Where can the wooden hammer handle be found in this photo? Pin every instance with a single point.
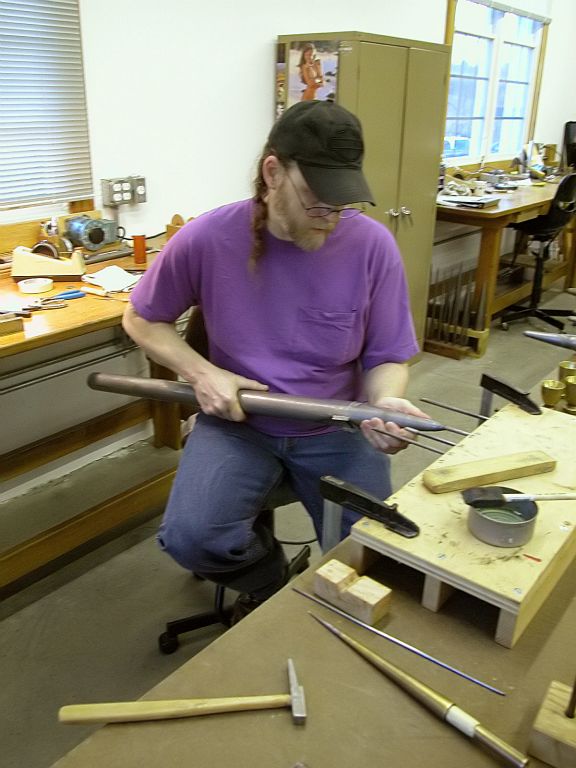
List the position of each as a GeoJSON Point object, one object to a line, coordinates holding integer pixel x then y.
{"type": "Point", "coordinates": [130, 711]}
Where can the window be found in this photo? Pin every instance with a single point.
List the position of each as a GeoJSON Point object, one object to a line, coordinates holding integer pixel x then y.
{"type": "Point", "coordinates": [492, 78]}
{"type": "Point", "coordinates": [44, 149]}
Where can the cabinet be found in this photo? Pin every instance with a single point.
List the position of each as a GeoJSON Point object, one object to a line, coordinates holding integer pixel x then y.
{"type": "Point", "coordinates": [397, 88]}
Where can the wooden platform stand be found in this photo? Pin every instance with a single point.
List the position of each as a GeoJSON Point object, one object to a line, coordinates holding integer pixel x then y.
{"type": "Point", "coordinates": [553, 737]}
{"type": "Point", "coordinates": [518, 580]}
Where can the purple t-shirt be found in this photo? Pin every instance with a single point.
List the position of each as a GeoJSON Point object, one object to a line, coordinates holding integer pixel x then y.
{"type": "Point", "coordinates": [305, 323]}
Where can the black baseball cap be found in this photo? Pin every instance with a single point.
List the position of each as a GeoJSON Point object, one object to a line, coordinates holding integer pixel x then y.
{"type": "Point", "coordinates": [325, 140]}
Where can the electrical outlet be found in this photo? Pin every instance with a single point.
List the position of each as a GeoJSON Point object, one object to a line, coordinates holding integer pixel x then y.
{"type": "Point", "coordinates": [123, 190]}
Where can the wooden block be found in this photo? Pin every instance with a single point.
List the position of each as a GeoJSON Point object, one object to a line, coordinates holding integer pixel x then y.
{"type": "Point", "coordinates": [360, 596]}
{"type": "Point", "coordinates": [458, 477]}
{"type": "Point", "coordinates": [553, 737]}
{"type": "Point", "coordinates": [10, 324]}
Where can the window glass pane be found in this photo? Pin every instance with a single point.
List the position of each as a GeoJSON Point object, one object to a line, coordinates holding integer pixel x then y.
{"type": "Point", "coordinates": [481, 19]}
{"type": "Point", "coordinates": [463, 137]}
{"type": "Point", "coordinates": [471, 55]}
{"type": "Point", "coordinates": [467, 97]}
{"type": "Point", "coordinates": [508, 136]}
{"type": "Point", "coordinates": [512, 100]}
{"type": "Point", "coordinates": [516, 62]}
{"type": "Point", "coordinates": [521, 29]}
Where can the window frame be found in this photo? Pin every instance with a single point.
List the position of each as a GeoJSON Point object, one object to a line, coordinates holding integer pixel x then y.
{"type": "Point", "coordinates": [45, 155]}
{"type": "Point", "coordinates": [500, 40]}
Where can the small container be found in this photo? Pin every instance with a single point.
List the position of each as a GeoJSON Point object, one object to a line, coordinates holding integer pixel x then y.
{"type": "Point", "coordinates": [139, 242]}
{"type": "Point", "coordinates": [511, 525]}
{"type": "Point", "coordinates": [566, 368]}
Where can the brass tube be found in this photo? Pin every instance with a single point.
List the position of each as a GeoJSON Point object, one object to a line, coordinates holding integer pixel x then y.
{"type": "Point", "coordinates": [441, 706]}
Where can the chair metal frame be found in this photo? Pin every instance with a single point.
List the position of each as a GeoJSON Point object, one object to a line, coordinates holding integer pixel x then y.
{"type": "Point", "coordinates": [544, 229]}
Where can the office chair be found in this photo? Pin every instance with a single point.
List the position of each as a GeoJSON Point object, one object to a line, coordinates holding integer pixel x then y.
{"type": "Point", "coordinates": [281, 495]}
{"type": "Point", "coordinates": [544, 230]}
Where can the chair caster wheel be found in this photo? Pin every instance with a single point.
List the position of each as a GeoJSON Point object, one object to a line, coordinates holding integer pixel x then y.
{"type": "Point", "coordinates": [504, 326]}
{"type": "Point", "coordinates": [167, 643]}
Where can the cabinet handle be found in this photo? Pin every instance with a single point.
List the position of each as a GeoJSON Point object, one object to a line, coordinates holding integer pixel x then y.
{"type": "Point", "coordinates": [405, 211]}
{"type": "Point", "coordinates": [393, 212]}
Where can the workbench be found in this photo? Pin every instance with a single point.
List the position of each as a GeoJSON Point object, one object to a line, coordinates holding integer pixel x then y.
{"type": "Point", "coordinates": [48, 328]}
{"type": "Point", "coordinates": [522, 204]}
{"type": "Point", "coordinates": [356, 717]}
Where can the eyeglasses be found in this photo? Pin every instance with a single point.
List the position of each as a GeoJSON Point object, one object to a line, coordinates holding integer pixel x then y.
{"type": "Point", "coordinates": [319, 211]}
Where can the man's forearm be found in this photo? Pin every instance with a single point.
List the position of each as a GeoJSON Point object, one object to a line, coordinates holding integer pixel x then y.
{"type": "Point", "coordinates": [164, 345]}
{"type": "Point", "coordinates": [386, 380]}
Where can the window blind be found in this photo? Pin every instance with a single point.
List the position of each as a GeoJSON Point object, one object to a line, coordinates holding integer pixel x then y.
{"type": "Point", "coordinates": [44, 143]}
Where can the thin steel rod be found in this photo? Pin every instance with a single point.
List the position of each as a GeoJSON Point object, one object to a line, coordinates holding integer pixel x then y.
{"type": "Point", "coordinates": [456, 431]}
{"type": "Point", "coordinates": [431, 437]}
{"type": "Point", "coordinates": [453, 408]}
{"type": "Point", "coordinates": [401, 643]}
{"type": "Point", "coordinates": [407, 440]}
{"type": "Point", "coordinates": [571, 708]}
{"type": "Point", "coordinates": [441, 706]}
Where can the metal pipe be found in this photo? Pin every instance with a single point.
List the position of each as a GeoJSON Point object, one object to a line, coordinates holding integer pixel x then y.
{"type": "Point", "coordinates": [440, 705]}
{"type": "Point", "coordinates": [557, 339]}
{"type": "Point", "coordinates": [261, 403]}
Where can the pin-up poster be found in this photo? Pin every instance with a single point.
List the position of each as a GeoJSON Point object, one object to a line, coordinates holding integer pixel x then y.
{"type": "Point", "coordinates": [306, 70]}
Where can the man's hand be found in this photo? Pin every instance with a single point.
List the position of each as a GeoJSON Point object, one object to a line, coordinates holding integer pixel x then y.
{"type": "Point", "coordinates": [217, 392]}
{"type": "Point", "coordinates": [395, 443]}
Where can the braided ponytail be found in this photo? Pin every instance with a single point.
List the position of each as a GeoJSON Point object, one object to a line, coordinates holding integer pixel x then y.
{"type": "Point", "coordinates": [260, 212]}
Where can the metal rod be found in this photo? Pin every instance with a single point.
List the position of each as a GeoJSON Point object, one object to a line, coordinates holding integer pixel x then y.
{"type": "Point", "coordinates": [401, 643]}
{"type": "Point", "coordinates": [407, 440]}
{"type": "Point", "coordinates": [571, 708]}
{"type": "Point", "coordinates": [456, 431]}
{"type": "Point", "coordinates": [453, 408]}
{"type": "Point", "coordinates": [262, 403]}
{"type": "Point", "coordinates": [430, 437]}
{"type": "Point", "coordinates": [440, 705]}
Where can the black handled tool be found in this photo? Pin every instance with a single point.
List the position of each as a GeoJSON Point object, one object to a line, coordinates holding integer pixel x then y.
{"type": "Point", "coordinates": [262, 403]}
{"type": "Point", "coordinates": [493, 386]}
{"type": "Point", "coordinates": [352, 497]}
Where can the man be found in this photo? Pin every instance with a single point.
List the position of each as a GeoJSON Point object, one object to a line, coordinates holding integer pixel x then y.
{"type": "Point", "coordinates": [300, 296]}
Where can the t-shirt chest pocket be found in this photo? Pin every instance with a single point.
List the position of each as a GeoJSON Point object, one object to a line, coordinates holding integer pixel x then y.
{"type": "Point", "coordinates": [325, 337]}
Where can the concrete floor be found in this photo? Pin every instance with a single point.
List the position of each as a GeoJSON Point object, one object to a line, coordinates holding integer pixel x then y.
{"type": "Point", "coordinates": [88, 632]}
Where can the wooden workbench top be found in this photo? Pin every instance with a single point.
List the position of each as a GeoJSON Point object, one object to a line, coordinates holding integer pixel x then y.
{"type": "Point", "coordinates": [81, 316]}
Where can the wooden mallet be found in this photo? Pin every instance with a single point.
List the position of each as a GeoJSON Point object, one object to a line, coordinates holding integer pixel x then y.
{"type": "Point", "coordinates": [131, 711]}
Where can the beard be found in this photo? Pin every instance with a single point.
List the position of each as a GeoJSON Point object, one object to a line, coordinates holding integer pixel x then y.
{"type": "Point", "coordinates": [306, 232]}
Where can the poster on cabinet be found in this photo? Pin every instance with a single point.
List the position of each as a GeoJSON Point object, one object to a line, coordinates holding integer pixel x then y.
{"type": "Point", "coordinates": [306, 70]}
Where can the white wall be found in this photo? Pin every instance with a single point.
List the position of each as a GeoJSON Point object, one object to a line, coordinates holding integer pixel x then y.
{"type": "Point", "coordinates": [182, 91]}
{"type": "Point", "coordinates": [558, 94]}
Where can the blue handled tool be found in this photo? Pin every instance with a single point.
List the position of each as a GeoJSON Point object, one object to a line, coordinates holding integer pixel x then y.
{"type": "Point", "coordinates": [73, 293]}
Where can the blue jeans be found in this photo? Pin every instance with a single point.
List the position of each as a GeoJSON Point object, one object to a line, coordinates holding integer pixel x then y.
{"type": "Point", "coordinates": [226, 472]}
